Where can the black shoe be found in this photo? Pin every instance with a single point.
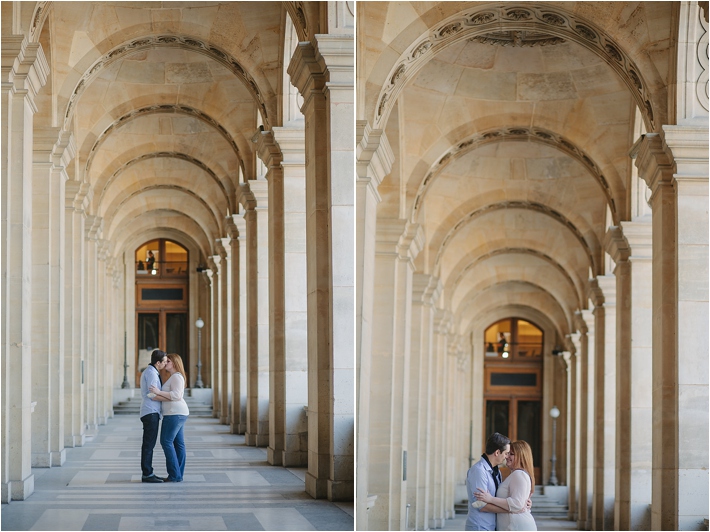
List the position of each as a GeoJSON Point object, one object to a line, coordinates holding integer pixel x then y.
{"type": "Point", "coordinates": [152, 479]}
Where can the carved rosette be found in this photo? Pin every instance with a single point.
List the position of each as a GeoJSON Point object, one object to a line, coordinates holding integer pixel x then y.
{"type": "Point", "coordinates": [488, 24]}
{"type": "Point", "coordinates": [179, 41]}
{"type": "Point", "coordinates": [516, 133]}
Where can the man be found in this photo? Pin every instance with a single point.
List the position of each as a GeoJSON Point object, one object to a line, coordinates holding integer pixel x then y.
{"type": "Point", "coordinates": [150, 413]}
{"type": "Point", "coordinates": [484, 474]}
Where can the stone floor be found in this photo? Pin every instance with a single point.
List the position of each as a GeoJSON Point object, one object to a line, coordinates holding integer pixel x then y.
{"type": "Point", "coordinates": [227, 486]}
{"type": "Point", "coordinates": [543, 524]}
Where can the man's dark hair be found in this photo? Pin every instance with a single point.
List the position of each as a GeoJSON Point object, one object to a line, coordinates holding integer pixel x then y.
{"type": "Point", "coordinates": [496, 442]}
{"type": "Point", "coordinates": [157, 356]}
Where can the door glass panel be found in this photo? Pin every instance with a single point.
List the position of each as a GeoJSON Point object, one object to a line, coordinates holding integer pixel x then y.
{"type": "Point", "coordinates": [497, 417]}
{"type": "Point", "coordinates": [148, 329]}
{"type": "Point", "coordinates": [529, 424]}
{"type": "Point", "coordinates": [176, 337]}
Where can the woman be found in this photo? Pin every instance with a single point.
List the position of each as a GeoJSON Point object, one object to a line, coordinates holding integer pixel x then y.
{"type": "Point", "coordinates": [513, 493]}
{"type": "Point", "coordinates": [175, 414]}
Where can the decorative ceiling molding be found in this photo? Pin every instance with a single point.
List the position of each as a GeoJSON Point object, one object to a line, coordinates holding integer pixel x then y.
{"type": "Point", "coordinates": [534, 134]}
{"type": "Point", "coordinates": [521, 251]}
{"type": "Point", "coordinates": [483, 20]}
{"type": "Point", "coordinates": [518, 39]}
{"type": "Point", "coordinates": [39, 16]}
{"type": "Point", "coordinates": [297, 11]}
{"type": "Point", "coordinates": [167, 41]}
{"type": "Point", "coordinates": [524, 205]}
{"type": "Point", "coordinates": [164, 108]}
{"type": "Point", "coordinates": [166, 154]}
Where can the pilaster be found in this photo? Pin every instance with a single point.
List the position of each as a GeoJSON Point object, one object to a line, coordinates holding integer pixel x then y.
{"type": "Point", "coordinates": [24, 72]}
{"type": "Point", "coordinates": [215, 263]}
{"type": "Point", "coordinates": [573, 428]}
{"type": "Point", "coordinates": [92, 235]}
{"type": "Point", "coordinates": [239, 385]}
{"type": "Point", "coordinates": [291, 141]}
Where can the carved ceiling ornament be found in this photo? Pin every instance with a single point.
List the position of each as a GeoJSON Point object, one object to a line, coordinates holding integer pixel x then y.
{"type": "Point", "coordinates": [297, 11]}
{"type": "Point", "coordinates": [38, 18]}
{"type": "Point", "coordinates": [175, 41]}
{"type": "Point", "coordinates": [534, 134]}
{"type": "Point", "coordinates": [506, 19]}
{"type": "Point", "coordinates": [161, 108]}
{"type": "Point", "coordinates": [518, 39]}
{"type": "Point", "coordinates": [519, 251]}
{"type": "Point", "coordinates": [524, 205]}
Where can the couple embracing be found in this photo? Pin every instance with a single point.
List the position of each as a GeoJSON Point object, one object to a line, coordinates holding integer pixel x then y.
{"type": "Point", "coordinates": [496, 504]}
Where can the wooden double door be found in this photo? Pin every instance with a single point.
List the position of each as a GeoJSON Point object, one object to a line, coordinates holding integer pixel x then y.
{"type": "Point", "coordinates": [161, 329]}
{"type": "Point", "coordinates": [519, 418]}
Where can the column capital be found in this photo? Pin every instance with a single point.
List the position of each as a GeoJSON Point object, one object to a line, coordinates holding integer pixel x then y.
{"type": "Point", "coordinates": [653, 160]}
{"type": "Point", "coordinates": [305, 71]}
{"type": "Point", "coordinates": [425, 288]}
{"type": "Point", "coordinates": [588, 318]}
{"type": "Point", "coordinates": [219, 247]}
{"type": "Point", "coordinates": [638, 234]}
{"type": "Point", "coordinates": [75, 195]}
{"type": "Point", "coordinates": [292, 141]}
{"type": "Point", "coordinates": [607, 285]}
{"type": "Point", "coordinates": [240, 225]}
{"type": "Point", "coordinates": [24, 65]}
{"type": "Point", "coordinates": [245, 197]}
{"type": "Point", "coordinates": [595, 293]}
{"type": "Point", "coordinates": [260, 193]}
{"type": "Point", "coordinates": [616, 245]}
{"type": "Point", "coordinates": [103, 248]}
{"type": "Point", "coordinates": [395, 235]}
{"type": "Point", "coordinates": [689, 148]}
{"type": "Point", "coordinates": [374, 154]}
{"type": "Point", "coordinates": [93, 227]}
{"type": "Point", "coordinates": [268, 150]}
{"type": "Point", "coordinates": [580, 323]}
{"type": "Point", "coordinates": [443, 320]}
{"type": "Point", "coordinates": [336, 53]}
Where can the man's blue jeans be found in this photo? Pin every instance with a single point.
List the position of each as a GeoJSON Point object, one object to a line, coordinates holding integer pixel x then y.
{"type": "Point", "coordinates": [151, 422]}
{"type": "Point", "coordinates": [172, 440]}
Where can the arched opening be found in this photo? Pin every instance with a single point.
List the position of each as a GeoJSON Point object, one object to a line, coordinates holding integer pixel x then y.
{"type": "Point", "coordinates": [162, 288]}
{"type": "Point", "coordinates": [513, 383]}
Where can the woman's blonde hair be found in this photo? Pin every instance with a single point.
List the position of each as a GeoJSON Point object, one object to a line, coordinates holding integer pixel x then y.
{"type": "Point", "coordinates": [523, 459]}
{"type": "Point", "coordinates": [177, 362]}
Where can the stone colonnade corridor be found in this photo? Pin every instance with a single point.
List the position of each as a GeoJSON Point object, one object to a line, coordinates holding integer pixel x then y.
{"type": "Point", "coordinates": [227, 486]}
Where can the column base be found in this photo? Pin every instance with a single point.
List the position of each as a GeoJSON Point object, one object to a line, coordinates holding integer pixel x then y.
{"type": "Point", "coordinates": [41, 460]}
{"type": "Point", "coordinates": [59, 457]}
{"type": "Point", "coordinates": [256, 440]}
{"type": "Point", "coordinates": [316, 487]}
{"type": "Point", "coordinates": [224, 420]}
{"type": "Point", "coordinates": [74, 441]}
{"type": "Point", "coordinates": [341, 490]}
{"type": "Point", "coordinates": [294, 458]}
{"type": "Point", "coordinates": [274, 457]}
{"type": "Point", "coordinates": [18, 490]}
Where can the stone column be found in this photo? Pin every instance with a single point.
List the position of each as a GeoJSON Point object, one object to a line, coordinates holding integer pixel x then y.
{"type": "Point", "coordinates": [74, 314]}
{"type": "Point", "coordinates": [50, 160]}
{"type": "Point", "coordinates": [442, 325]}
{"type": "Point", "coordinates": [656, 168]}
{"type": "Point", "coordinates": [689, 148]}
{"type": "Point", "coordinates": [239, 298]}
{"type": "Point", "coordinates": [374, 162]}
{"type": "Point", "coordinates": [223, 304]}
{"type": "Point", "coordinates": [573, 428]}
{"type": "Point", "coordinates": [291, 141]}
{"type": "Point", "coordinates": [584, 321]}
{"type": "Point", "coordinates": [228, 292]}
{"type": "Point", "coordinates": [634, 374]}
{"type": "Point", "coordinates": [254, 197]}
{"type": "Point", "coordinates": [603, 295]}
{"type": "Point", "coordinates": [92, 229]}
{"type": "Point", "coordinates": [420, 399]}
{"type": "Point", "coordinates": [674, 166]}
{"type": "Point", "coordinates": [324, 76]}
{"type": "Point", "coordinates": [397, 246]}
{"type": "Point", "coordinates": [270, 154]}
{"type": "Point", "coordinates": [102, 332]}
{"type": "Point", "coordinates": [24, 72]}
{"type": "Point", "coordinates": [215, 324]}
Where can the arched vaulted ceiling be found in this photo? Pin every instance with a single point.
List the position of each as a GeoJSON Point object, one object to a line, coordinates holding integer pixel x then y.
{"type": "Point", "coordinates": [162, 100]}
{"type": "Point", "coordinates": [511, 125]}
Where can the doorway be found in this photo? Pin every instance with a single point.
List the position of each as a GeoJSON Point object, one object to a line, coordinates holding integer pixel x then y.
{"type": "Point", "coordinates": [513, 384]}
{"type": "Point", "coordinates": [163, 328]}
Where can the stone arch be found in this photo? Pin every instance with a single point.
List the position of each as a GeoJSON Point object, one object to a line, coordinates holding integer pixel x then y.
{"type": "Point", "coordinates": [591, 249]}
{"type": "Point", "coordinates": [174, 155]}
{"type": "Point", "coordinates": [530, 134]}
{"type": "Point", "coordinates": [74, 86]}
{"type": "Point", "coordinates": [458, 277]}
{"type": "Point", "coordinates": [162, 108]}
{"type": "Point", "coordinates": [481, 20]}
{"type": "Point", "coordinates": [146, 228]}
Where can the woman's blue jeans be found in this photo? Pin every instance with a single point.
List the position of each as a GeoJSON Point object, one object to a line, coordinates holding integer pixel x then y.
{"type": "Point", "coordinates": [172, 440]}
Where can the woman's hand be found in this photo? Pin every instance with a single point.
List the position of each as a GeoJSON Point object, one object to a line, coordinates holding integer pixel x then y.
{"type": "Point", "coordinates": [483, 496]}
{"type": "Point", "coordinates": [154, 389]}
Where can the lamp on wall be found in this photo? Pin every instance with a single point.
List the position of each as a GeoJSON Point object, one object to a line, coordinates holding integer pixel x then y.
{"type": "Point", "coordinates": [199, 324]}
{"type": "Point", "coordinates": [554, 414]}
